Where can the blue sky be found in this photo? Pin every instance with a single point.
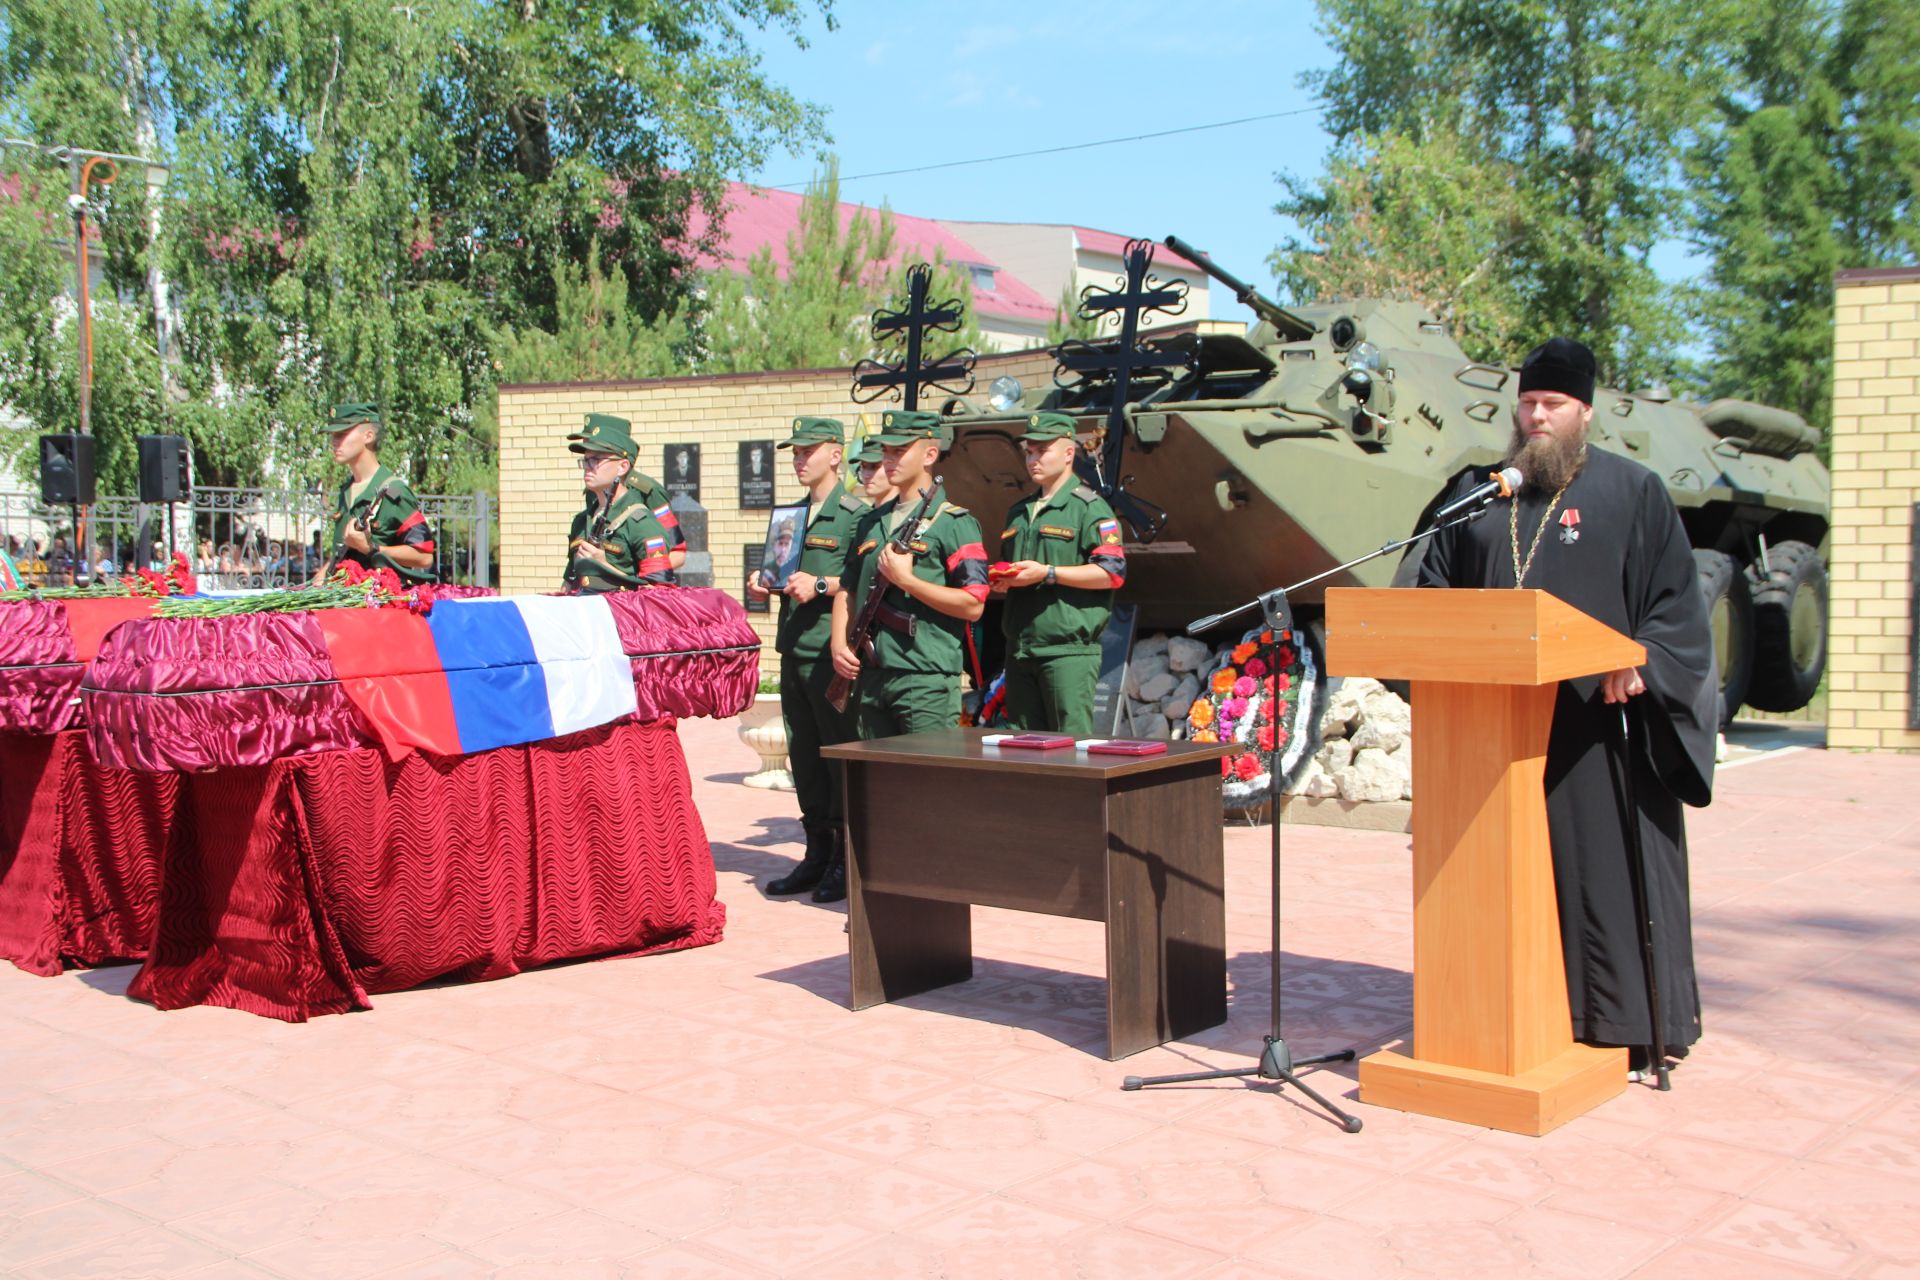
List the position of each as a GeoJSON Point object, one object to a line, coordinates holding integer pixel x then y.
{"type": "Point", "coordinates": [906, 84]}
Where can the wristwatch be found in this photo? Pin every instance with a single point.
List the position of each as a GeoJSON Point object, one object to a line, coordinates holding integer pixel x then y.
{"type": "Point", "coordinates": [1052, 573]}
{"type": "Point", "coordinates": [820, 586]}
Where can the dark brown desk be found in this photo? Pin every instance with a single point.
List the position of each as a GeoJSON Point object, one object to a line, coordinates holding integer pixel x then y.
{"type": "Point", "coordinates": [936, 822]}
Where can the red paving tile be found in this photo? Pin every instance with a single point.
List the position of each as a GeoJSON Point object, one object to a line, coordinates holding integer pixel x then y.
{"type": "Point", "coordinates": [720, 1112]}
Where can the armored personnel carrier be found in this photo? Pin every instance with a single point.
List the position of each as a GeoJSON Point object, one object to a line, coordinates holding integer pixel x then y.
{"type": "Point", "coordinates": [1242, 462]}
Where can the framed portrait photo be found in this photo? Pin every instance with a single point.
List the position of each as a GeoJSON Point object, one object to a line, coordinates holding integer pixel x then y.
{"type": "Point", "coordinates": [786, 539]}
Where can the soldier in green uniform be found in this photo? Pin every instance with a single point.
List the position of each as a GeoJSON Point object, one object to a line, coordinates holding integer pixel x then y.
{"type": "Point", "coordinates": [377, 521]}
{"type": "Point", "coordinates": [1066, 562]}
{"type": "Point", "coordinates": [618, 542]}
{"type": "Point", "coordinates": [933, 592]}
{"type": "Point", "coordinates": [806, 668]}
{"type": "Point", "coordinates": [873, 478]}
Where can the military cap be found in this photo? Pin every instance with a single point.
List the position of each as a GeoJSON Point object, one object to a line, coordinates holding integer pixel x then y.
{"type": "Point", "coordinates": [604, 433]}
{"type": "Point", "coordinates": [352, 413]}
{"type": "Point", "coordinates": [869, 451]}
{"type": "Point", "coordinates": [816, 431]}
{"type": "Point", "coordinates": [908, 426]}
{"type": "Point", "coordinates": [1048, 426]}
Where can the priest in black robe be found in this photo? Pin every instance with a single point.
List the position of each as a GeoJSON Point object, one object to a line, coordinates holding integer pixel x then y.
{"type": "Point", "coordinates": [1600, 532]}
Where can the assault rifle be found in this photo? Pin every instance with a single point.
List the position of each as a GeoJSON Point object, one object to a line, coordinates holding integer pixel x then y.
{"type": "Point", "coordinates": [860, 630]}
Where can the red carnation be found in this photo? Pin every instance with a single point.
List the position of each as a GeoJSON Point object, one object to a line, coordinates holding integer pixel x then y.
{"type": "Point", "coordinates": [1285, 656]}
{"type": "Point", "coordinates": [1285, 682]}
{"type": "Point", "coordinates": [1226, 767]}
{"type": "Point", "coordinates": [387, 580]}
{"type": "Point", "coordinates": [1247, 767]}
{"type": "Point", "coordinates": [1266, 737]}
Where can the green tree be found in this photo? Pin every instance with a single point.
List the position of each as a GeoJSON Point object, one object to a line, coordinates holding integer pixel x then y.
{"type": "Point", "coordinates": [1588, 105]}
{"type": "Point", "coordinates": [364, 192]}
{"type": "Point", "coordinates": [1814, 168]}
{"type": "Point", "coordinates": [810, 310]}
{"type": "Point", "coordinates": [1067, 321]}
{"type": "Point", "coordinates": [1423, 220]}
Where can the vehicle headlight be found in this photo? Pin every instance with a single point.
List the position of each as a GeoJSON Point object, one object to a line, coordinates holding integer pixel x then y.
{"type": "Point", "coordinates": [1004, 393]}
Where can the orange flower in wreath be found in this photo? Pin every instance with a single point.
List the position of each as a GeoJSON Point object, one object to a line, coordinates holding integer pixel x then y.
{"type": "Point", "coordinates": [1206, 735]}
{"type": "Point", "coordinates": [1244, 651]}
{"type": "Point", "coordinates": [1200, 714]}
{"type": "Point", "coordinates": [1223, 680]}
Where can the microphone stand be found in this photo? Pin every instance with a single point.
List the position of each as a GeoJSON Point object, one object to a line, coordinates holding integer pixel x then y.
{"type": "Point", "coordinates": [1276, 1058]}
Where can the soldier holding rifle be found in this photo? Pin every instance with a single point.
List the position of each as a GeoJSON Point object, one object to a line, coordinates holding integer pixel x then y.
{"type": "Point", "coordinates": [932, 586]}
{"type": "Point", "coordinates": [806, 669]}
{"type": "Point", "coordinates": [377, 521]}
{"type": "Point", "coordinates": [618, 542]}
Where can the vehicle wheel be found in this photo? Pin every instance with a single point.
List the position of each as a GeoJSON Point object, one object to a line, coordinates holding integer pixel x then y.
{"type": "Point", "coordinates": [1789, 627]}
{"type": "Point", "coordinates": [1723, 588]}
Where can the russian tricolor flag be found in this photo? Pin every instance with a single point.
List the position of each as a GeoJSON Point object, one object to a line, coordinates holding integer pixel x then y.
{"type": "Point", "coordinates": [476, 674]}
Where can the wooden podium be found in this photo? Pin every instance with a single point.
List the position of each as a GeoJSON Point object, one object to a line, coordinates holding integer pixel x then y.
{"type": "Point", "coordinates": [1492, 1035]}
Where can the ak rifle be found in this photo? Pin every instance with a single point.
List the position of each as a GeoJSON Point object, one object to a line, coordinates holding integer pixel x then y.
{"type": "Point", "coordinates": [860, 631]}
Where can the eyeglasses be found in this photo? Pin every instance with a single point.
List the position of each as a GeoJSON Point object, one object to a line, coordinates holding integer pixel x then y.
{"type": "Point", "coordinates": [592, 460]}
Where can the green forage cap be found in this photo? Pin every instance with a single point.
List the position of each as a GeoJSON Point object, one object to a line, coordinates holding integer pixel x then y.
{"type": "Point", "coordinates": [1048, 426]}
{"type": "Point", "coordinates": [352, 413]}
{"type": "Point", "coordinates": [869, 451]}
{"type": "Point", "coordinates": [905, 426]}
{"type": "Point", "coordinates": [816, 431]}
{"type": "Point", "coordinates": [604, 433]}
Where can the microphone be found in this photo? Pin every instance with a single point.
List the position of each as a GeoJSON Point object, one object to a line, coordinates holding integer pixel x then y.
{"type": "Point", "coordinates": [1503, 484]}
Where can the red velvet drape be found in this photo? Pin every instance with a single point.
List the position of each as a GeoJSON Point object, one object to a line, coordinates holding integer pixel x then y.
{"type": "Point", "coordinates": [304, 886]}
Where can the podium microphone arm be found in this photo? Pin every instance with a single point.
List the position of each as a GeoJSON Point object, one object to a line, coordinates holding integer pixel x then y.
{"type": "Point", "coordinates": [1259, 602]}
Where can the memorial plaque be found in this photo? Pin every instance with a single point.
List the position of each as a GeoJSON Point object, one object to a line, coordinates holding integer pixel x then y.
{"type": "Point", "coordinates": [756, 474]}
{"type": "Point", "coordinates": [680, 470]}
{"type": "Point", "coordinates": [750, 559]}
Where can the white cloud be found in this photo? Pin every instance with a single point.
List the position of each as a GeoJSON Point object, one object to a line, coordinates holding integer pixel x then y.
{"type": "Point", "coordinates": [979, 40]}
{"type": "Point", "coordinates": [876, 53]}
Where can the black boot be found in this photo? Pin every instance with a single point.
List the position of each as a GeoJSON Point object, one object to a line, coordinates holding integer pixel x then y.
{"type": "Point", "coordinates": [813, 865]}
{"type": "Point", "coordinates": [833, 885]}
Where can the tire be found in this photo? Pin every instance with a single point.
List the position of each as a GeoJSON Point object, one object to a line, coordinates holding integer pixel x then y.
{"type": "Point", "coordinates": [1789, 627]}
{"type": "Point", "coordinates": [1729, 602]}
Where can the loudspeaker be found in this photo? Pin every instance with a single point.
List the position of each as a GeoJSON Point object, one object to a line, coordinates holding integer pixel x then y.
{"type": "Point", "coordinates": [66, 469]}
{"type": "Point", "coordinates": [163, 469]}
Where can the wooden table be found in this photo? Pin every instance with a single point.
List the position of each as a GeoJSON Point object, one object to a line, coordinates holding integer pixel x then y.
{"type": "Point", "coordinates": [937, 822]}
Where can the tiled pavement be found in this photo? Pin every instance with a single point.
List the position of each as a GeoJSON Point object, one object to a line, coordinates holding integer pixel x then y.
{"type": "Point", "coordinates": [719, 1112]}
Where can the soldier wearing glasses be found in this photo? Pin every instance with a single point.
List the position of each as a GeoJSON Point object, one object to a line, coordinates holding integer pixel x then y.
{"type": "Point", "coordinates": [622, 539]}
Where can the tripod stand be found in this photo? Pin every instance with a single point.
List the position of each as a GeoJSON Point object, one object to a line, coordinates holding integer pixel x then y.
{"type": "Point", "coordinates": [1276, 1058]}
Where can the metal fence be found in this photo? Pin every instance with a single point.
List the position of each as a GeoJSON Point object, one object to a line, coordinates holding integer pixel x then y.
{"type": "Point", "coordinates": [233, 538]}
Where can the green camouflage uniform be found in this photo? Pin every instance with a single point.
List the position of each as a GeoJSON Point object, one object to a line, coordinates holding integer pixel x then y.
{"type": "Point", "coordinates": [911, 683]}
{"type": "Point", "coordinates": [634, 541]}
{"type": "Point", "coordinates": [1053, 630]}
{"type": "Point", "coordinates": [804, 641]}
{"type": "Point", "coordinates": [385, 507]}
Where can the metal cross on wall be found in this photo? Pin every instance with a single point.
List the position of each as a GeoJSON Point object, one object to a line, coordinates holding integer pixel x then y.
{"type": "Point", "coordinates": [952, 373]}
{"type": "Point", "coordinates": [1126, 367]}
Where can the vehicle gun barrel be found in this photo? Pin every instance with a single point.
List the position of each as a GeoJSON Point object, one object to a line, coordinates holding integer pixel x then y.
{"type": "Point", "coordinates": [1288, 325]}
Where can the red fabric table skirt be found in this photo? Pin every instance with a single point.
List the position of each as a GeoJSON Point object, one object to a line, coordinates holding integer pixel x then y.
{"type": "Point", "coordinates": [303, 886]}
{"type": "Point", "coordinates": [80, 853]}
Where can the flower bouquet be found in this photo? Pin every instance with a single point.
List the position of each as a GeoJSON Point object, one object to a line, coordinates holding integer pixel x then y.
{"type": "Point", "coordinates": [1255, 707]}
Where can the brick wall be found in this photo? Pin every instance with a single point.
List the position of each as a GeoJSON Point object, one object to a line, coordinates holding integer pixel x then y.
{"type": "Point", "coordinates": [540, 480]}
{"type": "Point", "coordinates": [1876, 482]}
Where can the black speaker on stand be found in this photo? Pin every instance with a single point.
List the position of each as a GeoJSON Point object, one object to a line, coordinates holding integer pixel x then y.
{"type": "Point", "coordinates": [163, 475]}
{"type": "Point", "coordinates": [66, 476]}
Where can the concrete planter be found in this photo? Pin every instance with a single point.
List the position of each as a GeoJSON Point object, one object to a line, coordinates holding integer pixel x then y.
{"type": "Point", "coordinates": [765, 732]}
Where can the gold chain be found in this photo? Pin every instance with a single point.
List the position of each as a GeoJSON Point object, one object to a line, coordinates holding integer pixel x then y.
{"type": "Point", "coordinates": [1513, 529]}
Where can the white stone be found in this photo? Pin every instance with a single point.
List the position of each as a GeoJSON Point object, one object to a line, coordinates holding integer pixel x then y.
{"type": "Point", "coordinates": [1187, 690]}
{"type": "Point", "coordinates": [1186, 654]}
{"type": "Point", "coordinates": [1157, 688]}
{"type": "Point", "coordinates": [1152, 725]}
{"type": "Point", "coordinates": [1334, 755]}
{"type": "Point", "coordinates": [1345, 706]}
{"type": "Point", "coordinates": [1371, 777]}
{"type": "Point", "coordinates": [1147, 646]}
{"type": "Point", "coordinates": [1176, 708]}
{"type": "Point", "coordinates": [1321, 786]}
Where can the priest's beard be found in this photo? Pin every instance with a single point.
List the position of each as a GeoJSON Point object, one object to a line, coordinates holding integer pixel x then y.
{"type": "Point", "coordinates": [1548, 462]}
